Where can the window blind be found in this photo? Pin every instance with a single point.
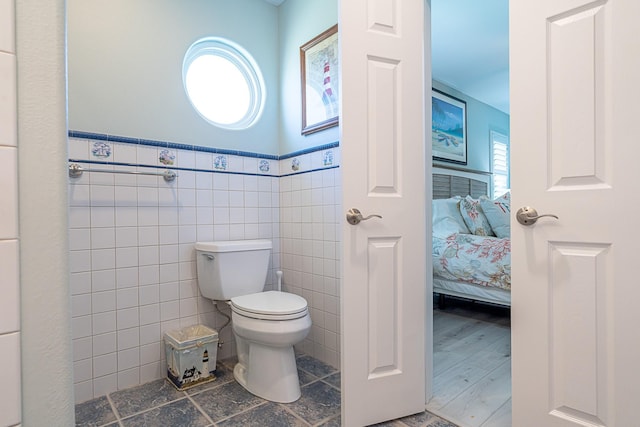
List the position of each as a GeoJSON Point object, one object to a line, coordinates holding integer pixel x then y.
{"type": "Point", "coordinates": [500, 163]}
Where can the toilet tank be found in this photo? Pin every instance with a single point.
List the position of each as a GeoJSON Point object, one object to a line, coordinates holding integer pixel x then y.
{"type": "Point", "coordinates": [227, 269]}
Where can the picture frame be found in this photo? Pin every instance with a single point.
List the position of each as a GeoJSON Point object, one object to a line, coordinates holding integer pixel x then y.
{"type": "Point", "coordinates": [320, 85]}
{"type": "Point", "coordinates": [448, 128]}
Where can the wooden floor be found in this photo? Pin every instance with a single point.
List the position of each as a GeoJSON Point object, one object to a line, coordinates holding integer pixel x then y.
{"type": "Point", "coordinates": [472, 364]}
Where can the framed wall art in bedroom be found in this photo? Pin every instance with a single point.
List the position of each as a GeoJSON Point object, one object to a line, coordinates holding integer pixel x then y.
{"type": "Point", "coordinates": [448, 128]}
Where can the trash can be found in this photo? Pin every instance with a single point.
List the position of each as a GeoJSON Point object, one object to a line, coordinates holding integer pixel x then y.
{"type": "Point", "coordinates": [191, 355]}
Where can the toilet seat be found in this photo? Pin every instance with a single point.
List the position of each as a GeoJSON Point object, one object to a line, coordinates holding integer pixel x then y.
{"type": "Point", "coordinates": [270, 305]}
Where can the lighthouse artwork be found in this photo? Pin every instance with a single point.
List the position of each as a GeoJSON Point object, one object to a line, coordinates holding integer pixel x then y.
{"type": "Point", "coordinates": [320, 74]}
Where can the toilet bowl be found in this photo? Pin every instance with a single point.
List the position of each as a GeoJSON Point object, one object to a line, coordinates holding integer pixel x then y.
{"type": "Point", "coordinates": [266, 325]}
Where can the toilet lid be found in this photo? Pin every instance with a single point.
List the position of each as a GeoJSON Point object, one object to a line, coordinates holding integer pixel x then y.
{"type": "Point", "coordinates": [280, 305]}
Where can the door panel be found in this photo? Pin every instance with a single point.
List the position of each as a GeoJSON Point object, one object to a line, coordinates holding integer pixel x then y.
{"type": "Point", "coordinates": [574, 67]}
{"type": "Point", "coordinates": [384, 299]}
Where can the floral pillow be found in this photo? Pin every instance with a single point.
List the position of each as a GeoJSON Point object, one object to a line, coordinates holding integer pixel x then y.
{"type": "Point", "coordinates": [474, 217]}
{"type": "Point", "coordinates": [498, 213]}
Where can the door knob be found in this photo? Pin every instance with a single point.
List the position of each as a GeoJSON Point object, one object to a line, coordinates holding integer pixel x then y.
{"type": "Point", "coordinates": [354, 216]}
{"type": "Point", "coordinates": [528, 215]}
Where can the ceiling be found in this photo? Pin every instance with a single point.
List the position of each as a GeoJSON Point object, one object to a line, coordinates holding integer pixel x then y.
{"type": "Point", "coordinates": [470, 48]}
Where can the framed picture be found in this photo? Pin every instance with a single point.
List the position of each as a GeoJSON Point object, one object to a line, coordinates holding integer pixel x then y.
{"type": "Point", "coordinates": [319, 74]}
{"type": "Point", "coordinates": [448, 128]}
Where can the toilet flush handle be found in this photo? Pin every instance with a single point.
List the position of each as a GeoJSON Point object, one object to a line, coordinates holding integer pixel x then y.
{"type": "Point", "coordinates": [209, 257]}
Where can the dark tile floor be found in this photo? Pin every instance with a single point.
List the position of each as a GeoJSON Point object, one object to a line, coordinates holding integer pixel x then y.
{"type": "Point", "coordinates": [224, 403]}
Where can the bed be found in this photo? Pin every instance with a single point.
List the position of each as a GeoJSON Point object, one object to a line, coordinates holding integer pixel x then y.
{"type": "Point", "coordinates": [471, 244]}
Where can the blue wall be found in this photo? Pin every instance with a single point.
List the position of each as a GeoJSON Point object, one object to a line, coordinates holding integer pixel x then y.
{"type": "Point", "coordinates": [125, 72]}
{"type": "Point", "coordinates": [125, 68]}
{"type": "Point", "coordinates": [481, 119]}
{"type": "Point", "coordinates": [300, 21]}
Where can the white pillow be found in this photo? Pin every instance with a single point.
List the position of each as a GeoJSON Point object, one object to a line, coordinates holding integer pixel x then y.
{"type": "Point", "coordinates": [446, 217]}
{"type": "Point", "coordinates": [498, 214]}
{"type": "Point", "coordinates": [474, 217]}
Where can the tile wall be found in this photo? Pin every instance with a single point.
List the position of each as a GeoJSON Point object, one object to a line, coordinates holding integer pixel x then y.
{"type": "Point", "coordinates": [133, 273]}
{"type": "Point", "coordinates": [10, 400]}
{"type": "Point", "coordinates": [310, 241]}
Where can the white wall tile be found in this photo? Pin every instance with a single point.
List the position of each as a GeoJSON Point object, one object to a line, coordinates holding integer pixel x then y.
{"type": "Point", "coordinates": [148, 274]}
{"type": "Point", "coordinates": [126, 257]}
{"type": "Point", "coordinates": [124, 153]}
{"type": "Point", "coordinates": [10, 402]}
{"type": "Point", "coordinates": [81, 327]}
{"type": "Point", "coordinates": [103, 238]}
{"type": "Point", "coordinates": [204, 161]}
{"type": "Point", "coordinates": [126, 237]}
{"type": "Point", "coordinates": [150, 333]}
{"type": "Point", "coordinates": [128, 338]}
{"type": "Point", "coordinates": [169, 273]}
{"type": "Point", "coordinates": [169, 310]}
{"type": "Point", "coordinates": [168, 254]}
{"type": "Point", "coordinates": [169, 235]}
{"type": "Point", "coordinates": [151, 352]}
{"type": "Point", "coordinates": [80, 305]}
{"type": "Point", "coordinates": [129, 358]}
{"type": "Point", "coordinates": [125, 216]}
{"type": "Point", "coordinates": [104, 385]}
{"type": "Point", "coordinates": [149, 294]}
{"type": "Point", "coordinates": [103, 259]}
{"type": "Point", "coordinates": [103, 280]}
{"type": "Point", "coordinates": [126, 196]}
{"type": "Point", "coordinates": [102, 216]}
{"type": "Point", "coordinates": [127, 276]}
{"type": "Point", "coordinates": [79, 261]}
{"type": "Point", "coordinates": [79, 239]}
{"type": "Point", "coordinates": [103, 301]}
{"type": "Point", "coordinates": [150, 227]}
{"type": "Point", "coordinates": [148, 255]}
{"type": "Point", "coordinates": [83, 391]}
{"type": "Point", "coordinates": [105, 364]}
{"type": "Point", "coordinates": [148, 236]}
{"type": "Point", "coordinates": [80, 283]}
{"type": "Point", "coordinates": [9, 283]}
{"type": "Point", "coordinates": [128, 318]}
{"type": "Point", "coordinates": [104, 322]}
{"type": "Point", "coordinates": [147, 155]}
{"type": "Point", "coordinates": [9, 200]}
{"type": "Point", "coordinates": [8, 118]}
{"type": "Point", "coordinates": [186, 179]}
{"type": "Point", "coordinates": [82, 370]}
{"type": "Point", "coordinates": [147, 196]}
{"type": "Point", "coordinates": [103, 179]}
{"type": "Point", "coordinates": [127, 298]}
{"type": "Point", "coordinates": [128, 378]}
{"type": "Point", "coordinates": [79, 217]}
{"type": "Point", "coordinates": [124, 179]}
{"type": "Point", "coordinates": [149, 314]}
{"type": "Point", "coordinates": [147, 215]}
{"type": "Point", "coordinates": [104, 344]}
{"type": "Point", "coordinates": [7, 32]}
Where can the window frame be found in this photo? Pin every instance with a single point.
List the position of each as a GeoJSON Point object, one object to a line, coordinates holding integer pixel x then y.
{"type": "Point", "coordinates": [244, 63]}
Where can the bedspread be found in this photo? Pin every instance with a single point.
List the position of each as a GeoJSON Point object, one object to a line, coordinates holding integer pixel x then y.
{"type": "Point", "coordinates": [480, 260]}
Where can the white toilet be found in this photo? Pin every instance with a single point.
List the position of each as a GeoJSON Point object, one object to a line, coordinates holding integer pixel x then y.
{"type": "Point", "coordinates": [266, 324]}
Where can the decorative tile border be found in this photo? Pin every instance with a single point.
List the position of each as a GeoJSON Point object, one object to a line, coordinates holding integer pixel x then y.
{"type": "Point", "coordinates": [88, 147]}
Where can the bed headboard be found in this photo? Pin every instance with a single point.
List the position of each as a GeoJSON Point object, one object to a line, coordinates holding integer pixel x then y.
{"type": "Point", "coordinates": [449, 182]}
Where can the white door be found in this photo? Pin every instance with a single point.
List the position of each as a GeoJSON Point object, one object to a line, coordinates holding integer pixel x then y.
{"type": "Point", "coordinates": [385, 79]}
{"type": "Point", "coordinates": [575, 66]}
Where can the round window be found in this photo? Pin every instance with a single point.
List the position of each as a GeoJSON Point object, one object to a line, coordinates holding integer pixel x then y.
{"type": "Point", "coordinates": [223, 83]}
